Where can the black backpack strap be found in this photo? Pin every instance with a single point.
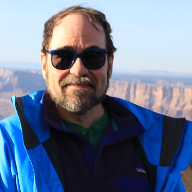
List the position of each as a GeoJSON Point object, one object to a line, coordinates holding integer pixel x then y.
{"type": "Point", "coordinates": [151, 169]}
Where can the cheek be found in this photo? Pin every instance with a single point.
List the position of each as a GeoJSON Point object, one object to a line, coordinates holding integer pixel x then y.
{"type": "Point", "coordinates": [101, 77]}
{"type": "Point", "coordinates": [103, 73]}
{"type": "Point", "coordinates": [58, 75]}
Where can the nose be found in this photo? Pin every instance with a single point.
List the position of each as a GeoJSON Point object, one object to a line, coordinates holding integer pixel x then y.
{"type": "Point", "coordinates": [78, 68]}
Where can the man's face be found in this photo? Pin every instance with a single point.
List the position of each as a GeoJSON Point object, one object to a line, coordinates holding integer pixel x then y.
{"type": "Point", "coordinates": [77, 89]}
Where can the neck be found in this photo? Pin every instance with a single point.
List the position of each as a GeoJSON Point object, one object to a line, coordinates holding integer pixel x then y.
{"type": "Point", "coordinates": [85, 120]}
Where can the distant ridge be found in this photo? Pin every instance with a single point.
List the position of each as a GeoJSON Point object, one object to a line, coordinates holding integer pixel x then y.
{"type": "Point", "coordinates": [116, 71]}
{"type": "Point", "coordinates": [166, 73]}
{"type": "Point", "coordinates": [154, 73]}
{"type": "Point", "coordinates": [21, 65]}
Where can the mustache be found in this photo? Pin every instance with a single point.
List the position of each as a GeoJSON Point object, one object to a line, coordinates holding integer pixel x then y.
{"type": "Point", "coordinates": [77, 80]}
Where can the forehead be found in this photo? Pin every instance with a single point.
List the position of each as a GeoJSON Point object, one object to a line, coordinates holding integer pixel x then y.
{"type": "Point", "coordinates": [77, 31]}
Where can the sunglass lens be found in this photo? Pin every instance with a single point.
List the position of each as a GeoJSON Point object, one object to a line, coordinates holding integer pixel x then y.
{"type": "Point", "coordinates": [62, 59]}
{"type": "Point", "coordinates": [93, 59]}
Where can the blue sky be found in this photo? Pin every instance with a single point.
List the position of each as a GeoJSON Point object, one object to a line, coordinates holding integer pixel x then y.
{"type": "Point", "coordinates": [149, 34]}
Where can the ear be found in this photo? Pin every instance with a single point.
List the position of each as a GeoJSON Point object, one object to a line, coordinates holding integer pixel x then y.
{"type": "Point", "coordinates": [110, 65]}
{"type": "Point", "coordinates": [43, 64]}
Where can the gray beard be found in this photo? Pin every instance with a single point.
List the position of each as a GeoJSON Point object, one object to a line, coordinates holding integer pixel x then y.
{"type": "Point", "coordinates": [82, 101]}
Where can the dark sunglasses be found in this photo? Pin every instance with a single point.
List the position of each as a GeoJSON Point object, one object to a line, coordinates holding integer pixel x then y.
{"type": "Point", "coordinates": [92, 59]}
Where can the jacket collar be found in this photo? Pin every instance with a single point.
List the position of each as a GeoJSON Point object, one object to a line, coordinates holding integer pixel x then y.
{"type": "Point", "coordinates": [122, 116]}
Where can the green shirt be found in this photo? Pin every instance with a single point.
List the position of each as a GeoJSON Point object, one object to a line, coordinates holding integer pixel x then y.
{"type": "Point", "coordinates": [95, 131]}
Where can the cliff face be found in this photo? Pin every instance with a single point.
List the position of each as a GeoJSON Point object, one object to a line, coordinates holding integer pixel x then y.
{"type": "Point", "coordinates": [27, 81]}
{"type": "Point", "coordinates": [169, 100]}
{"type": "Point", "coordinates": [19, 83]}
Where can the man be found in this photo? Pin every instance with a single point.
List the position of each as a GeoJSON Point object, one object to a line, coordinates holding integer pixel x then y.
{"type": "Point", "coordinates": [73, 137]}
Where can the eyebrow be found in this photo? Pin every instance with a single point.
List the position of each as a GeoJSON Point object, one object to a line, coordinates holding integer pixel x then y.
{"type": "Point", "coordinates": [65, 47]}
{"type": "Point", "coordinates": [71, 48]}
{"type": "Point", "coordinates": [91, 46]}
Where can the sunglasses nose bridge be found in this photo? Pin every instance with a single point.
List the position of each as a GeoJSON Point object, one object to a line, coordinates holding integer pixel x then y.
{"type": "Point", "coordinates": [78, 55]}
{"type": "Point", "coordinates": [78, 68]}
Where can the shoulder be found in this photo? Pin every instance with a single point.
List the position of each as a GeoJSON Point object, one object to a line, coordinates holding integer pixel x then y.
{"type": "Point", "coordinates": [163, 135]}
{"type": "Point", "coordinates": [10, 125]}
{"type": "Point", "coordinates": [146, 117]}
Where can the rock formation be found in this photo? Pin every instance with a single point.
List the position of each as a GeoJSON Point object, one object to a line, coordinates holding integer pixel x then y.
{"type": "Point", "coordinates": [174, 101]}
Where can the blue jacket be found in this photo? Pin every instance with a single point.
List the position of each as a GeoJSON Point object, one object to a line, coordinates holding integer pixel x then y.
{"type": "Point", "coordinates": [166, 145]}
